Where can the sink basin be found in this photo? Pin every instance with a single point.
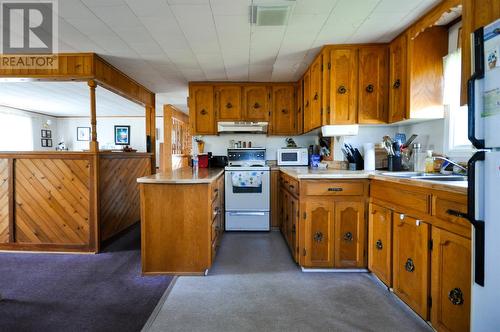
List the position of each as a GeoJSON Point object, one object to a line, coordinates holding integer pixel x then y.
{"type": "Point", "coordinates": [403, 174]}
{"type": "Point", "coordinates": [426, 176]}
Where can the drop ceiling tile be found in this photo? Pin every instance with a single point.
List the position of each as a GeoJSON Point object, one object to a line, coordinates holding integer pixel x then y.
{"type": "Point", "coordinates": [117, 16]}
{"type": "Point", "coordinates": [89, 26]}
{"type": "Point", "coordinates": [314, 6]}
{"type": "Point", "coordinates": [135, 35]}
{"type": "Point", "coordinates": [231, 7]}
{"type": "Point", "coordinates": [166, 32]}
{"type": "Point", "coordinates": [149, 8]}
{"type": "Point", "coordinates": [102, 3]}
{"type": "Point", "coordinates": [259, 73]}
{"type": "Point", "coordinates": [73, 9]}
{"type": "Point", "coordinates": [233, 31]}
{"type": "Point", "coordinates": [187, 2]}
{"type": "Point", "coordinates": [306, 23]}
{"type": "Point", "coordinates": [388, 6]}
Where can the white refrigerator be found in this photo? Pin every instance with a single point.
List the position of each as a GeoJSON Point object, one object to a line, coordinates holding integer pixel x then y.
{"type": "Point", "coordinates": [484, 177]}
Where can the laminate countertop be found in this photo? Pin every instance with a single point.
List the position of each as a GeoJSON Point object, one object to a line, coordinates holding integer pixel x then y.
{"type": "Point", "coordinates": [183, 175]}
{"type": "Point", "coordinates": [305, 173]}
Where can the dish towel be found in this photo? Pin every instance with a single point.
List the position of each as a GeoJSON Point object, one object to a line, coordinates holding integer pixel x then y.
{"type": "Point", "coordinates": [246, 179]}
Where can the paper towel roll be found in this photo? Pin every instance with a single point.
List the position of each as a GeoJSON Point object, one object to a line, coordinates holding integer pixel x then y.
{"type": "Point", "coordinates": [369, 156]}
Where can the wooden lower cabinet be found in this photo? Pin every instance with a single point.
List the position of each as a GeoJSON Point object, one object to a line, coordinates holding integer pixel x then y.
{"type": "Point", "coordinates": [380, 242]}
{"type": "Point", "coordinates": [318, 233]}
{"type": "Point", "coordinates": [350, 232]}
{"type": "Point", "coordinates": [289, 213]}
{"type": "Point", "coordinates": [411, 262]}
{"type": "Point", "coordinates": [451, 281]}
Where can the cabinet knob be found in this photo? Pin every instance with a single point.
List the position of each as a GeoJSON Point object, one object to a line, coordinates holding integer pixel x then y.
{"type": "Point", "coordinates": [402, 216]}
{"type": "Point", "coordinates": [379, 245]}
{"type": "Point", "coordinates": [370, 88]}
{"type": "Point", "coordinates": [417, 222]}
{"type": "Point", "coordinates": [341, 90]}
{"type": "Point", "coordinates": [284, 111]}
{"type": "Point", "coordinates": [409, 265]}
{"type": "Point", "coordinates": [256, 105]}
{"type": "Point", "coordinates": [397, 84]}
{"type": "Point", "coordinates": [456, 296]}
{"type": "Point", "coordinates": [203, 112]}
{"type": "Point", "coordinates": [229, 105]}
{"type": "Point", "coordinates": [307, 103]}
{"type": "Point", "coordinates": [318, 237]}
{"type": "Point", "coordinates": [348, 236]}
{"type": "Point", "coordinates": [316, 96]}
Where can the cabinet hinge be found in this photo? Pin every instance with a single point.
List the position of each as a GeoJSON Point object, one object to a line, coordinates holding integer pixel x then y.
{"type": "Point", "coordinates": [305, 215]}
{"type": "Point", "coordinates": [329, 66]}
{"type": "Point", "coordinates": [321, 67]}
{"type": "Point", "coordinates": [298, 214]}
{"type": "Point", "coordinates": [431, 244]}
{"type": "Point", "coordinates": [304, 252]}
{"type": "Point", "coordinates": [429, 301]}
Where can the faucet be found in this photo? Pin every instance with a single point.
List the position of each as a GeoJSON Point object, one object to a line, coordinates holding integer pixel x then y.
{"type": "Point", "coordinates": [451, 162]}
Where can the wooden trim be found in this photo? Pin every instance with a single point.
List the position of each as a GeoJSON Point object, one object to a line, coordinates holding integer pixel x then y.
{"type": "Point", "coordinates": [166, 157]}
{"type": "Point", "coordinates": [94, 206]}
{"type": "Point", "coordinates": [124, 155]}
{"type": "Point", "coordinates": [151, 133]}
{"type": "Point", "coordinates": [430, 18]}
{"type": "Point", "coordinates": [94, 145]}
{"type": "Point", "coordinates": [46, 154]}
{"type": "Point", "coordinates": [11, 201]}
{"type": "Point", "coordinates": [46, 247]}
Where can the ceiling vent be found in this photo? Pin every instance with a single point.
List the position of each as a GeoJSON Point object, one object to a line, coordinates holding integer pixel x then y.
{"type": "Point", "coordinates": [269, 15]}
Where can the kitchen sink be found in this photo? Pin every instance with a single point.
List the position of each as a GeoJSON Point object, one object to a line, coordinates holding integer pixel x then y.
{"type": "Point", "coordinates": [426, 176]}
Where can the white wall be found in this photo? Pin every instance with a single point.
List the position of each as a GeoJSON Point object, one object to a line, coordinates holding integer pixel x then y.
{"type": "Point", "coordinates": [37, 124]}
{"type": "Point", "coordinates": [105, 132]}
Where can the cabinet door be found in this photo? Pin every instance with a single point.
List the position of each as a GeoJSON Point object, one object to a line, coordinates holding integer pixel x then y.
{"type": "Point", "coordinates": [398, 88]}
{"type": "Point", "coordinates": [372, 88]}
{"type": "Point", "coordinates": [256, 102]}
{"type": "Point", "coordinates": [451, 280]}
{"type": "Point", "coordinates": [283, 111]}
{"type": "Point", "coordinates": [350, 230]}
{"type": "Point", "coordinates": [201, 109]}
{"type": "Point", "coordinates": [380, 243]}
{"type": "Point", "coordinates": [343, 87]}
{"type": "Point", "coordinates": [315, 93]}
{"type": "Point", "coordinates": [228, 103]}
{"type": "Point", "coordinates": [294, 226]}
{"type": "Point", "coordinates": [411, 262]}
{"type": "Point", "coordinates": [319, 233]}
{"type": "Point", "coordinates": [306, 90]}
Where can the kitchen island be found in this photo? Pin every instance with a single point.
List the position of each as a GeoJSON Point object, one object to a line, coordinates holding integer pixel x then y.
{"type": "Point", "coordinates": [182, 220]}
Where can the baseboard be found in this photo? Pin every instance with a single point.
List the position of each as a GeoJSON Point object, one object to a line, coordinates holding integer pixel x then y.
{"type": "Point", "coordinates": [305, 269]}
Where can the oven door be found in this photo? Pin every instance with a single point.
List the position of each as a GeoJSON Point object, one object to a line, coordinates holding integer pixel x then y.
{"type": "Point", "coordinates": [247, 190]}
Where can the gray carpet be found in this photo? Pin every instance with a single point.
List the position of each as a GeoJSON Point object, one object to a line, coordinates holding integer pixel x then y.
{"type": "Point", "coordinates": [255, 286]}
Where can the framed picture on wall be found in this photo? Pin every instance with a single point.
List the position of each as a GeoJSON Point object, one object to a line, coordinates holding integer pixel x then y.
{"type": "Point", "coordinates": [49, 143]}
{"type": "Point", "coordinates": [44, 133]}
{"type": "Point", "coordinates": [48, 133]}
{"type": "Point", "coordinates": [122, 135]}
{"type": "Point", "coordinates": [44, 143]}
{"type": "Point", "coordinates": [83, 133]}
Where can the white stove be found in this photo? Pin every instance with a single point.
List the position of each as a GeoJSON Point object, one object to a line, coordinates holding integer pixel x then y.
{"type": "Point", "coordinates": [247, 180]}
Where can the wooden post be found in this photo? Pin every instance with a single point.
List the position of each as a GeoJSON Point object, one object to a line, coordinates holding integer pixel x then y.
{"type": "Point", "coordinates": [166, 157]}
{"type": "Point", "coordinates": [94, 145]}
{"type": "Point", "coordinates": [151, 134]}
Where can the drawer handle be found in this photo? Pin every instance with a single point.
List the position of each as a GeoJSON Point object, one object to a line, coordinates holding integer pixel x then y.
{"type": "Point", "coordinates": [409, 265]}
{"type": "Point", "coordinates": [379, 245]}
{"type": "Point", "coordinates": [341, 90]}
{"type": "Point", "coordinates": [229, 105]}
{"type": "Point", "coordinates": [318, 237]}
{"type": "Point", "coordinates": [370, 88]}
{"type": "Point", "coordinates": [256, 105]}
{"type": "Point", "coordinates": [203, 112]}
{"type": "Point", "coordinates": [397, 84]}
{"type": "Point", "coordinates": [456, 213]}
{"type": "Point", "coordinates": [456, 296]}
{"type": "Point", "coordinates": [348, 236]}
{"type": "Point", "coordinates": [335, 189]}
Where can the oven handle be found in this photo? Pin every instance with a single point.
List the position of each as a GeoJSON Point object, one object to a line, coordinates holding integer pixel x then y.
{"type": "Point", "coordinates": [247, 213]}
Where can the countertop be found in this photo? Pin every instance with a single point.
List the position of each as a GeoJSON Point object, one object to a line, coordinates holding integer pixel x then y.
{"type": "Point", "coordinates": [183, 175]}
{"type": "Point", "coordinates": [305, 173]}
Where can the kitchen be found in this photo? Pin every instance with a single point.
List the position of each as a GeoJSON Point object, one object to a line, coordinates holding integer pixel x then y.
{"type": "Point", "coordinates": [351, 190]}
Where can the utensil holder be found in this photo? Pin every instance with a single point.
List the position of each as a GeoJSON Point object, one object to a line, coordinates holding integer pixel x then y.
{"type": "Point", "coordinates": [394, 163]}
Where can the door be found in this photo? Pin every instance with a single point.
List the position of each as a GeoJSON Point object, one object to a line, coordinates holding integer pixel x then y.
{"type": "Point", "coordinates": [256, 102]}
{"type": "Point", "coordinates": [350, 234]}
{"type": "Point", "coordinates": [380, 243]}
{"type": "Point", "coordinates": [228, 103]}
{"type": "Point", "coordinates": [316, 112]}
{"type": "Point", "coordinates": [343, 87]}
{"type": "Point", "coordinates": [451, 281]}
{"type": "Point", "coordinates": [319, 233]}
{"type": "Point", "coordinates": [398, 79]}
{"type": "Point", "coordinates": [372, 88]}
{"type": "Point", "coordinates": [201, 109]}
{"type": "Point", "coordinates": [306, 91]}
{"type": "Point", "coordinates": [411, 262]}
{"type": "Point", "coordinates": [283, 110]}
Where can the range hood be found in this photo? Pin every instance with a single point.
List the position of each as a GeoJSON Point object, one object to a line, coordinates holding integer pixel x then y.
{"type": "Point", "coordinates": [242, 127]}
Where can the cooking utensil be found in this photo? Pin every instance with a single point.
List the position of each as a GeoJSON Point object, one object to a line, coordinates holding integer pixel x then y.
{"type": "Point", "coordinates": [410, 140]}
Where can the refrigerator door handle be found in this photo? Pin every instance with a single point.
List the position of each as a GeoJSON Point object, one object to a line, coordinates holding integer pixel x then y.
{"type": "Point", "coordinates": [478, 224]}
{"type": "Point", "coordinates": [478, 47]}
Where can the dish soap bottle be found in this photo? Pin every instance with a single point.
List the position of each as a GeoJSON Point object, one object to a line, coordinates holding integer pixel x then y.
{"type": "Point", "coordinates": [429, 162]}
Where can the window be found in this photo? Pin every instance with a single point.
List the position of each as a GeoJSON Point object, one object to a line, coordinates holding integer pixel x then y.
{"type": "Point", "coordinates": [456, 138]}
{"type": "Point", "coordinates": [16, 132]}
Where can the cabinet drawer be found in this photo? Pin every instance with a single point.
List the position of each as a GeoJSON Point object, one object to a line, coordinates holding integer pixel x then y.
{"type": "Point", "coordinates": [445, 209]}
{"type": "Point", "coordinates": [335, 188]}
{"type": "Point", "coordinates": [216, 210]}
{"type": "Point", "coordinates": [214, 189]}
{"type": "Point", "coordinates": [214, 229]}
{"type": "Point", "coordinates": [404, 198]}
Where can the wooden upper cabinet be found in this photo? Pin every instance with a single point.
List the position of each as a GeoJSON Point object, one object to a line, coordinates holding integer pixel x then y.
{"type": "Point", "coordinates": [411, 262]}
{"type": "Point", "coordinates": [299, 104]}
{"type": "Point", "coordinates": [343, 85]}
{"type": "Point", "coordinates": [326, 86]}
{"type": "Point", "coordinates": [201, 109]}
{"type": "Point", "coordinates": [451, 281]}
{"type": "Point", "coordinates": [315, 93]}
{"type": "Point", "coordinates": [380, 243]}
{"type": "Point", "coordinates": [256, 103]}
{"type": "Point", "coordinates": [318, 233]}
{"type": "Point", "coordinates": [398, 79]}
{"type": "Point", "coordinates": [372, 84]}
{"type": "Point", "coordinates": [228, 102]}
{"type": "Point", "coordinates": [350, 234]}
{"type": "Point", "coordinates": [284, 119]}
{"type": "Point", "coordinates": [306, 91]}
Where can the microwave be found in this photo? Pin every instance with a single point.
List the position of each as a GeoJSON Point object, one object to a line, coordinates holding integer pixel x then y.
{"type": "Point", "coordinates": [292, 157]}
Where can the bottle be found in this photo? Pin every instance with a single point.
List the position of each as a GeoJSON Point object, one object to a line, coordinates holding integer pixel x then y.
{"type": "Point", "coordinates": [195, 163]}
{"type": "Point", "coordinates": [417, 150]}
{"type": "Point", "coordinates": [429, 162]}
